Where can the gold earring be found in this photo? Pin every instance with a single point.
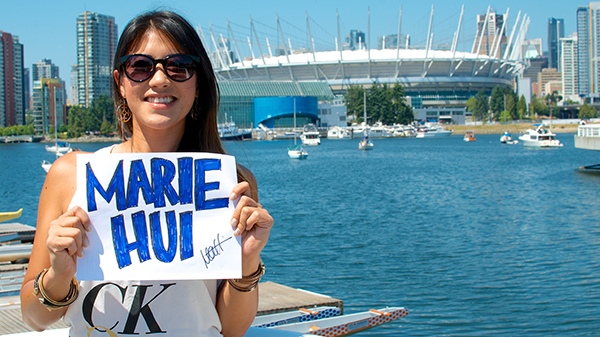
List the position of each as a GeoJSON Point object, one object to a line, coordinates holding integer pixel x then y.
{"type": "Point", "coordinates": [123, 112]}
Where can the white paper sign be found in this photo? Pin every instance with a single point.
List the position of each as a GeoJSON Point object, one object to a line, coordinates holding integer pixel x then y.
{"type": "Point", "coordinates": [158, 216]}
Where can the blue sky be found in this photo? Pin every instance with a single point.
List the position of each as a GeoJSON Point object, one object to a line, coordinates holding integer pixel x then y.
{"type": "Point", "coordinates": [47, 28]}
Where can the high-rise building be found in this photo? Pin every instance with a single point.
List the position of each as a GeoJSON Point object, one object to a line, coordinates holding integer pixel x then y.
{"type": "Point", "coordinates": [12, 96]}
{"type": "Point", "coordinates": [556, 31]}
{"type": "Point", "coordinates": [355, 40]}
{"type": "Point", "coordinates": [391, 41]}
{"type": "Point", "coordinates": [48, 104]}
{"type": "Point", "coordinates": [532, 48]}
{"type": "Point", "coordinates": [44, 69]}
{"type": "Point", "coordinates": [568, 46]}
{"type": "Point", "coordinates": [588, 49]}
{"type": "Point", "coordinates": [26, 90]}
{"type": "Point", "coordinates": [494, 40]}
{"type": "Point", "coordinates": [96, 45]}
{"type": "Point", "coordinates": [73, 90]}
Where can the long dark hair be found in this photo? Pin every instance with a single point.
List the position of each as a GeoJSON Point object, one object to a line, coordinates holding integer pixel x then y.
{"type": "Point", "coordinates": [201, 133]}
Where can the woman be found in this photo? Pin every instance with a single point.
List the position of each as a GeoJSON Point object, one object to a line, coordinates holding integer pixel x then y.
{"type": "Point", "coordinates": [166, 99]}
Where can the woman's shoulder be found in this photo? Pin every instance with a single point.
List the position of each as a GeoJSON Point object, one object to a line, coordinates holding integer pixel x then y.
{"type": "Point", "coordinates": [63, 171]}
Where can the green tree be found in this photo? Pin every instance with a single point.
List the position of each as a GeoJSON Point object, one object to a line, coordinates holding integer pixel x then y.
{"type": "Point", "coordinates": [403, 112]}
{"type": "Point", "coordinates": [471, 104]}
{"type": "Point", "coordinates": [482, 106]}
{"type": "Point", "coordinates": [537, 108]}
{"type": "Point", "coordinates": [354, 102]}
{"type": "Point", "coordinates": [521, 107]}
{"type": "Point", "coordinates": [586, 112]}
{"type": "Point", "coordinates": [499, 101]}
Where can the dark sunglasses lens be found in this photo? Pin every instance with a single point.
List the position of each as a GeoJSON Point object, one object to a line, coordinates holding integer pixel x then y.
{"type": "Point", "coordinates": [180, 68]}
{"type": "Point", "coordinates": [139, 68]}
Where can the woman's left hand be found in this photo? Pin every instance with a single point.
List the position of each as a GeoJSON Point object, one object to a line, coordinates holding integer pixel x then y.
{"type": "Point", "coordinates": [250, 220]}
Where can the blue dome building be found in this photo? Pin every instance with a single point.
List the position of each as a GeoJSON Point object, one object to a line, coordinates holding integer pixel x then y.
{"type": "Point", "coordinates": [278, 112]}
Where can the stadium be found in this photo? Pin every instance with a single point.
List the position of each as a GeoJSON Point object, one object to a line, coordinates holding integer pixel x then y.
{"type": "Point", "coordinates": [437, 76]}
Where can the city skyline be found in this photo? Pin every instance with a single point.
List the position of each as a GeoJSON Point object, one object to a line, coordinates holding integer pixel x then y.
{"type": "Point", "coordinates": [58, 42]}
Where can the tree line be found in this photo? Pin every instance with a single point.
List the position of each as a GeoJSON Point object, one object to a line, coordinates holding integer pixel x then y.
{"type": "Point", "coordinates": [384, 104]}
{"type": "Point", "coordinates": [505, 105]}
{"type": "Point", "coordinates": [98, 118]}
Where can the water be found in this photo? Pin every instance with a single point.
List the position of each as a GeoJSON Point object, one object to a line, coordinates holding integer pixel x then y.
{"type": "Point", "coordinates": [473, 238]}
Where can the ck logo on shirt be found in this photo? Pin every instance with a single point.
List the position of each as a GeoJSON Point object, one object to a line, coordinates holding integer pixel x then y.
{"type": "Point", "coordinates": [138, 307]}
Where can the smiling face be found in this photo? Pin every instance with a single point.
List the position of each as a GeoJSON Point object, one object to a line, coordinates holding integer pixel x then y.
{"type": "Point", "coordinates": [158, 104]}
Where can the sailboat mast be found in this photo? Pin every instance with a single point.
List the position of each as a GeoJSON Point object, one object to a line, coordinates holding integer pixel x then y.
{"type": "Point", "coordinates": [365, 109]}
{"type": "Point", "coordinates": [294, 121]}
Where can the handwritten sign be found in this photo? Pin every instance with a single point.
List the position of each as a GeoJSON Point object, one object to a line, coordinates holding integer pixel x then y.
{"type": "Point", "coordinates": [158, 216]}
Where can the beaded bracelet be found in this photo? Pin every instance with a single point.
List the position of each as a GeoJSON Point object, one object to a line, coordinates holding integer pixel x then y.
{"type": "Point", "coordinates": [249, 282]}
{"type": "Point", "coordinates": [50, 304]}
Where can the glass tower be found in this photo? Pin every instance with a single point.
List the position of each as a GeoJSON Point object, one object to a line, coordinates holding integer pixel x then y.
{"type": "Point", "coordinates": [96, 44]}
{"type": "Point", "coordinates": [556, 31]}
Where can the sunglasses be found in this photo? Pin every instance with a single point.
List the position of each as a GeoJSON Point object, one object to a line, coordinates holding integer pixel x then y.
{"type": "Point", "coordinates": [178, 67]}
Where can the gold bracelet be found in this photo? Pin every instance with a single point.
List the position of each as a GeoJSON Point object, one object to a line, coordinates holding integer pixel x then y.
{"type": "Point", "coordinates": [249, 282]}
{"type": "Point", "coordinates": [49, 303]}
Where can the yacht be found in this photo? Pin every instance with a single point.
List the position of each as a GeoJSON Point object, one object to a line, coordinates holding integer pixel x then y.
{"type": "Point", "coordinates": [228, 131]}
{"type": "Point", "coordinates": [506, 138]}
{"type": "Point", "coordinates": [539, 137]}
{"type": "Point", "coordinates": [432, 130]}
{"type": "Point", "coordinates": [310, 135]}
{"type": "Point", "coordinates": [337, 132]}
{"type": "Point", "coordinates": [380, 131]}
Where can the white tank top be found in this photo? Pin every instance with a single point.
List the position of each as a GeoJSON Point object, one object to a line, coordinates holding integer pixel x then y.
{"type": "Point", "coordinates": [142, 308]}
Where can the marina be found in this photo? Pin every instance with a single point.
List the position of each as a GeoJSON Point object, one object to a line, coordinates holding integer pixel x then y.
{"type": "Point", "coordinates": [463, 235]}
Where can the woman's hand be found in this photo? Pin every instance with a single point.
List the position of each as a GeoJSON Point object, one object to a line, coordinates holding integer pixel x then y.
{"type": "Point", "coordinates": [66, 239]}
{"type": "Point", "coordinates": [251, 221]}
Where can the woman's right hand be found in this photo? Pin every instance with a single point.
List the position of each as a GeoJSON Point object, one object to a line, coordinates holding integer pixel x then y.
{"type": "Point", "coordinates": [66, 239]}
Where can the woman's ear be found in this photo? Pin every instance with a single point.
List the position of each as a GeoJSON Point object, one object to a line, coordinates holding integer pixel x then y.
{"type": "Point", "coordinates": [118, 82]}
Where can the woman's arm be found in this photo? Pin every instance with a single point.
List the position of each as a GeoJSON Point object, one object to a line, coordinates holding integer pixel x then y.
{"type": "Point", "coordinates": [59, 239]}
{"type": "Point", "coordinates": [237, 309]}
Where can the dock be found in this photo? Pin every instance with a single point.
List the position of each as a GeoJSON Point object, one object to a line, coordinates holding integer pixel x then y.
{"type": "Point", "coordinates": [273, 297]}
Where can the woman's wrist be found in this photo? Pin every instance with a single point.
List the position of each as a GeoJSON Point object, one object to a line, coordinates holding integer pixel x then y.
{"type": "Point", "coordinates": [56, 286]}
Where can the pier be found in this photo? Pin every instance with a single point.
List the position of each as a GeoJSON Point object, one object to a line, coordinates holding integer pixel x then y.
{"type": "Point", "coordinates": [273, 297]}
{"type": "Point", "coordinates": [21, 139]}
{"type": "Point", "coordinates": [588, 137]}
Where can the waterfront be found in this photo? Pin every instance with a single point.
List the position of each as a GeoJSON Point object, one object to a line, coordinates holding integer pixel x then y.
{"type": "Point", "coordinates": [473, 238]}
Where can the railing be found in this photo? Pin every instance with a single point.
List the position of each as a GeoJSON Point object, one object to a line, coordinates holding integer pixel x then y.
{"type": "Point", "coordinates": [588, 130]}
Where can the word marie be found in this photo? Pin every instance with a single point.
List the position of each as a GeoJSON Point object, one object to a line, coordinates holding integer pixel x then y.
{"type": "Point", "coordinates": [156, 189]}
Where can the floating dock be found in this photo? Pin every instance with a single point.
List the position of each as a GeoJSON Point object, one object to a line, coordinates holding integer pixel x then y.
{"type": "Point", "coordinates": [273, 297]}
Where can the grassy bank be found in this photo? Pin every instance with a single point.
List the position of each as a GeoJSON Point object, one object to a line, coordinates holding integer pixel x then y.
{"type": "Point", "coordinates": [513, 128]}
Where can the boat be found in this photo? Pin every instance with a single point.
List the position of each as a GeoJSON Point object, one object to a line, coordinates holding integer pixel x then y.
{"type": "Point", "coordinates": [59, 147]}
{"type": "Point", "coordinates": [345, 325]}
{"type": "Point", "coordinates": [228, 131]}
{"type": "Point", "coordinates": [310, 135]}
{"type": "Point", "coordinates": [365, 144]}
{"type": "Point", "coordinates": [378, 130]}
{"type": "Point", "coordinates": [296, 152]}
{"type": "Point", "coordinates": [295, 316]}
{"type": "Point", "coordinates": [506, 138]}
{"type": "Point", "coordinates": [337, 132]}
{"type": "Point", "coordinates": [432, 130]}
{"type": "Point", "coordinates": [5, 216]}
{"type": "Point", "coordinates": [539, 137]}
{"type": "Point", "coordinates": [469, 136]}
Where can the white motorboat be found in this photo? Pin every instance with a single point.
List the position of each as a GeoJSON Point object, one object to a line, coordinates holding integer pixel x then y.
{"type": "Point", "coordinates": [506, 138]}
{"type": "Point", "coordinates": [433, 130]}
{"type": "Point", "coordinates": [310, 135]}
{"type": "Point", "coordinates": [337, 132]}
{"type": "Point", "coordinates": [228, 131]}
{"type": "Point", "coordinates": [539, 137]}
{"type": "Point", "coordinates": [469, 136]}
{"type": "Point", "coordinates": [378, 130]}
